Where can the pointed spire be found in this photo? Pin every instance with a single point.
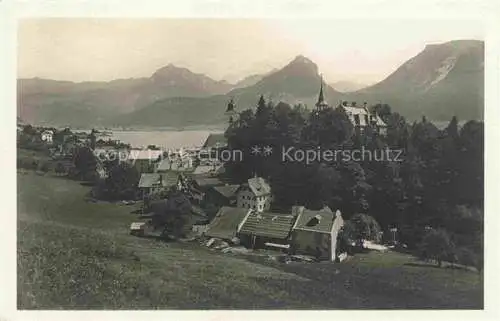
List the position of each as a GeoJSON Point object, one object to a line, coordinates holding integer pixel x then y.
{"type": "Point", "coordinates": [321, 98]}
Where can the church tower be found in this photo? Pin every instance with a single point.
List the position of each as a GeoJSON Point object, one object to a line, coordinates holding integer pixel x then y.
{"type": "Point", "coordinates": [230, 110]}
{"type": "Point", "coordinates": [321, 104]}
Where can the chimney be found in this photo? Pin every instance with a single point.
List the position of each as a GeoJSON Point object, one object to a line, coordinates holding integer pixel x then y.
{"type": "Point", "coordinates": [297, 210]}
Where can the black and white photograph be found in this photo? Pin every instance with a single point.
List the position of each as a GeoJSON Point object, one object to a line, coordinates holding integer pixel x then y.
{"type": "Point", "coordinates": [250, 163]}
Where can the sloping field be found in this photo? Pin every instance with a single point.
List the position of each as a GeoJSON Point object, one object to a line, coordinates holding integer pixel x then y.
{"type": "Point", "coordinates": [78, 255]}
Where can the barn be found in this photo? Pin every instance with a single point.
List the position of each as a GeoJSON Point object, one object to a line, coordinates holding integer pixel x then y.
{"type": "Point", "coordinates": [266, 230]}
{"type": "Point", "coordinates": [315, 232]}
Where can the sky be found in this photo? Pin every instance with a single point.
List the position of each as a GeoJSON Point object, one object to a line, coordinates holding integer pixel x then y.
{"type": "Point", "coordinates": [102, 49]}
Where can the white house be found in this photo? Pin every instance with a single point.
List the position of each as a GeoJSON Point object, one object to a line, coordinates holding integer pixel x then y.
{"type": "Point", "coordinates": [47, 136]}
{"type": "Point", "coordinates": [316, 232]}
{"type": "Point", "coordinates": [254, 194]}
{"type": "Point", "coordinates": [145, 160]}
{"type": "Point", "coordinates": [361, 117]}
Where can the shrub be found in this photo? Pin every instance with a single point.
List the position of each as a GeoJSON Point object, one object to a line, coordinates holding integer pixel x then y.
{"type": "Point", "coordinates": [365, 227]}
{"type": "Point", "coordinates": [360, 227]}
{"type": "Point", "coordinates": [467, 256]}
{"type": "Point", "coordinates": [436, 245]}
{"type": "Point", "coordinates": [43, 167]}
{"type": "Point", "coordinates": [60, 169]}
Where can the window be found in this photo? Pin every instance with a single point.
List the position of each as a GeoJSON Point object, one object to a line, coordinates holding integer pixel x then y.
{"type": "Point", "coordinates": [356, 119]}
{"type": "Point", "coordinates": [314, 221]}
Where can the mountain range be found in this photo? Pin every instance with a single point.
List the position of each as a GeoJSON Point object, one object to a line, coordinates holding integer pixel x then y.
{"type": "Point", "coordinates": [346, 86]}
{"type": "Point", "coordinates": [442, 81]}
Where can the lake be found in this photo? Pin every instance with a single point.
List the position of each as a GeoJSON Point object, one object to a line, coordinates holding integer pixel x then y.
{"type": "Point", "coordinates": [164, 139]}
{"type": "Point", "coordinates": [174, 139]}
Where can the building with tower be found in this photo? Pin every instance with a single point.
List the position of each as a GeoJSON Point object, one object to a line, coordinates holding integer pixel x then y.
{"type": "Point", "coordinates": [360, 116]}
{"type": "Point", "coordinates": [230, 110]}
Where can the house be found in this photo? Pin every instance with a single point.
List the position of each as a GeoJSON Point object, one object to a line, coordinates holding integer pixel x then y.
{"type": "Point", "coordinates": [212, 147]}
{"type": "Point", "coordinates": [209, 167]}
{"type": "Point", "coordinates": [203, 182]}
{"type": "Point", "coordinates": [144, 160]}
{"type": "Point", "coordinates": [361, 117]}
{"type": "Point", "coordinates": [111, 153]}
{"type": "Point", "coordinates": [178, 164]}
{"type": "Point", "coordinates": [254, 194]}
{"type": "Point", "coordinates": [266, 230]}
{"type": "Point", "coordinates": [226, 222]}
{"type": "Point", "coordinates": [217, 140]}
{"type": "Point", "coordinates": [222, 195]}
{"type": "Point", "coordinates": [315, 232]}
{"type": "Point", "coordinates": [155, 182]}
{"type": "Point", "coordinates": [47, 136]}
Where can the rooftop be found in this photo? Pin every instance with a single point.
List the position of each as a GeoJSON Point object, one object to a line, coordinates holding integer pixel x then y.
{"type": "Point", "coordinates": [319, 221]}
{"type": "Point", "coordinates": [173, 165]}
{"type": "Point", "coordinates": [205, 181]}
{"type": "Point", "coordinates": [227, 191]}
{"type": "Point", "coordinates": [258, 186]}
{"type": "Point", "coordinates": [273, 225]}
{"type": "Point", "coordinates": [145, 154]}
{"type": "Point", "coordinates": [158, 179]}
{"type": "Point", "coordinates": [225, 224]}
{"type": "Point", "coordinates": [215, 140]}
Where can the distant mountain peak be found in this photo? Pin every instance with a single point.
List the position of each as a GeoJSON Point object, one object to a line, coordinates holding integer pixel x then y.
{"type": "Point", "coordinates": [301, 65]}
{"type": "Point", "coordinates": [171, 70]}
{"type": "Point", "coordinates": [301, 59]}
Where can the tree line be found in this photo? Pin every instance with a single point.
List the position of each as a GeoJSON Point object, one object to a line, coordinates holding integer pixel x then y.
{"type": "Point", "coordinates": [434, 193]}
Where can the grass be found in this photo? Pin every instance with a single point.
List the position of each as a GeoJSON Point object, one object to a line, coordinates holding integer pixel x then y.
{"type": "Point", "coordinates": [78, 255]}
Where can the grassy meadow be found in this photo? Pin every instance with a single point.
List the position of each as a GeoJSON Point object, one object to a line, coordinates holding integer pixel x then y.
{"type": "Point", "coordinates": [74, 254]}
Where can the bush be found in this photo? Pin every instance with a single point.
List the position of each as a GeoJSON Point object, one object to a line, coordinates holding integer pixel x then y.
{"type": "Point", "coordinates": [43, 167]}
{"type": "Point", "coordinates": [27, 163]}
{"type": "Point", "coordinates": [468, 257]}
{"type": "Point", "coordinates": [360, 227]}
{"type": "Point", "coordinates": [365, 227]}
{"type": "Point", "coordinates": [60, 169]}
{"type": "Point", "coordinates": [436, 245]}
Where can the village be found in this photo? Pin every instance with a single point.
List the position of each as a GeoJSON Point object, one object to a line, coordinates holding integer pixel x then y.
{"type": "Point", "coordinates": [235, 218]}
{"type": "Point", "coordinates": [201, 163]}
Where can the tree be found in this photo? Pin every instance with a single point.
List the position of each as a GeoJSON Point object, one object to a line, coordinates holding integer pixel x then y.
{"type": "Point", "coordinates": [471, 164]}
{"type": "Point", "coordinates": [383, 110]}
{"type": "Point", "coordinates": [262, 107]}
{"type": "Point", "coordinates": [365, 227]}
{"type": "Point", "coordinates": [121, 182]}
{"type": "Point", "coordinates": [437, 245]}
{"type": "Point", "coordinates": [85, 163]}
{"type": "Point", "coordinates": [93, 139]}
{"type": "Point", "coordinates": [60, 169]}
{"type": "Point", "coordinates": [59, 136]}
{"type": "Point", "coordinates": [29, 130]}
{"type": "Point", "coordinates": [328, 128]}
{"type": "Point", "coordinates": [43, 167]}
{"type": "Point", "coordinates": [173, 214]}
